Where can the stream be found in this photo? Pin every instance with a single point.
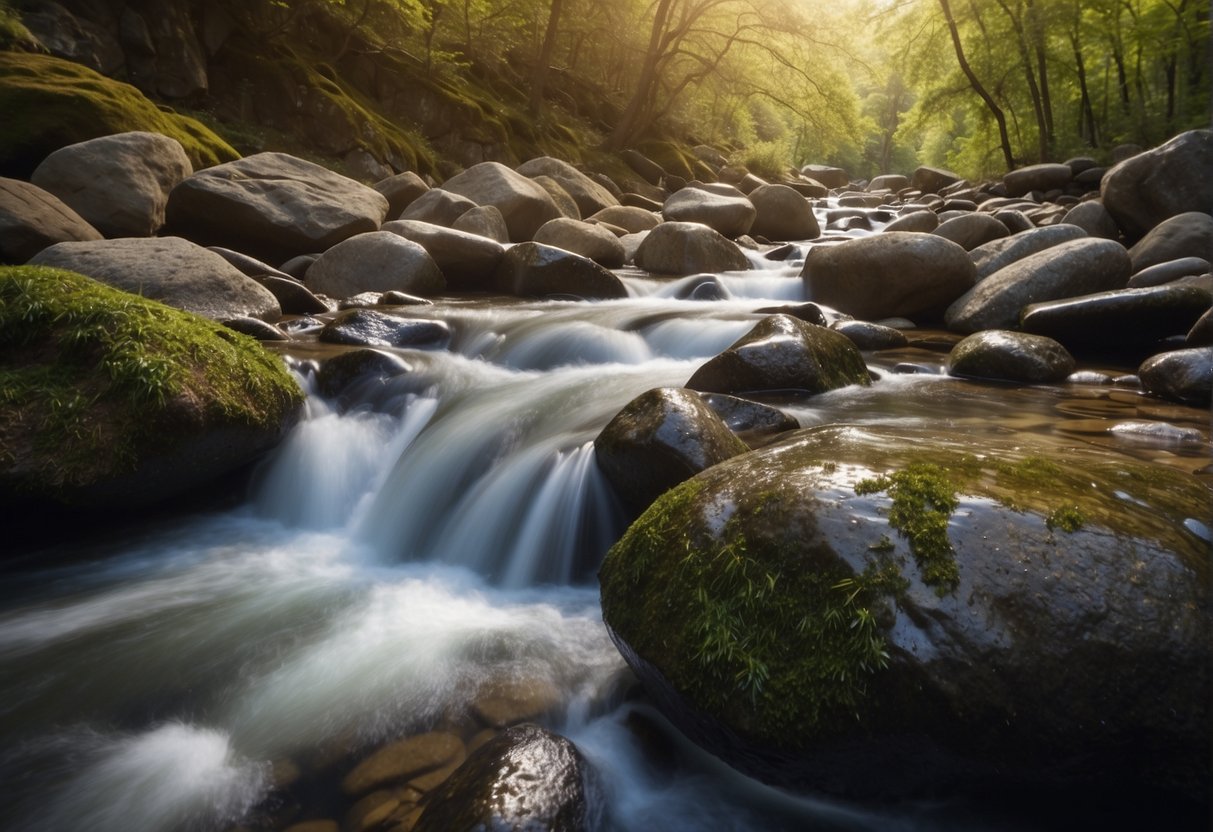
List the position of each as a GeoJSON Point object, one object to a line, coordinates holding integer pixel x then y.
{"type": "Point", "coordinates": [420, 541]}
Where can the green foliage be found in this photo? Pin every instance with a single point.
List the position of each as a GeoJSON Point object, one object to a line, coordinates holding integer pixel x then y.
{"type": "Point", "coordinates": [56, 103]}
{"type": "Point", "coordinates": [1067, 518]}
{"type": "Point", "coordinates": [769, 160]}
{"type": "Point", "coordinates": [88, 372]}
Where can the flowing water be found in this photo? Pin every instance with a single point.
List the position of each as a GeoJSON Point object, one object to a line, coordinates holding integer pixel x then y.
{"type": "Point", "coordinates": [418, 542]}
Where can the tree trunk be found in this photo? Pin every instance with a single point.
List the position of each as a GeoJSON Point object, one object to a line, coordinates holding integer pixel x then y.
{"type": "Point", "coordinates": [1086, 115]}
{"type": "Point", "coordinates": [1036, 28]}
{"type": "Point", "coordinates": [978, 88]}
{"type": "Point", "coordinates": [625, 129]}
{"type": "Point", "coordinates": [1021, 43]}
{"type": "Point", "coordinates": [539, 81]}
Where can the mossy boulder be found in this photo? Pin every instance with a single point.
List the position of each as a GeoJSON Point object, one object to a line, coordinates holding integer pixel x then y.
{"type": "Point", "coordinates": [51, 103]}
{"type": "Point", "coordinates": [885, 612]}
{"type": "Point", "coordinates": [111, 400]}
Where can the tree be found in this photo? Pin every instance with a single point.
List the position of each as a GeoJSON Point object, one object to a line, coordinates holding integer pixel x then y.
{"type": "Point", "coordinates": [978, 87]}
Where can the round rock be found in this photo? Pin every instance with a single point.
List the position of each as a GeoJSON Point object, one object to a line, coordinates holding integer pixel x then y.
{"type": "Point", "coordinates": [782, 214]}
{"type": "Point", "coordinates": [1182, 375]}
{"type": "Point", "coordinates": [1171, 179]}
{"type": "Point", "coordinates": [682, 248]}
{"type": "Point", "coordinates": [732, 216]}
{"type": "Point", "coordinates": [524, 203]}
{"type": "Point", "coordinates": [32, 219]}
{"type": "Point", "coordinates": [536, 270]}
{"type": "Point", "coordinates": [377, 261]}
{"type": "Point", "coordinates": [1010, 356]}
{"type": "Point", "coordinates": [587, 239]}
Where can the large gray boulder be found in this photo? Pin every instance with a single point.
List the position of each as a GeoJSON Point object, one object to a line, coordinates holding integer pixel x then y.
{"type": "Point", "coordinates": [896, 274]}
{"type": "Point", "coordinates": [972, 230]}
{"type": "Point", "coordinates": [377, 261]}
{"type": "Point", "coordinates": [588, 194]}
{"type": "Point", "coordinates": [587, 239]}
{"type": "Point", "coordinates": [1046, 177]}
{"type": "Point", "coordinates": [401, 191]}
{"type": "Point", "coordinates": [933, 180]}
{"type": "Point", "coordinates": [659, 439]}
{"type": "Point", "coordinates": [32, 219]}
{"type": "Point", "coordinates": [1079, 267]}
{"type": "Point", "coordinates": [119, 183]}
{"type": "Point", "coordinates": [524, 203]}
{"type": "Point", "coordinates": [1171, 179]}
{"type": "Point", "coordinates": [273, 206]}
{"type": "Point", "coordinates": [1189, 234]}
{"type": "Point", "coordinates": [536, 270]}
{"type": "Point", "coordinates": [438, 206]}
{"type": "Point", "coordinates": [681, 248]}
{"type": "Point", "coordinates": [467, 261]}
{"type": "Point", "coordinates": [782, 354]}
{"type": "Point", "coordinates": [732, 216]}
{"type": "Point", "coordinates": [171, 270]}
{"type": "Point", "coordinates": [998, 254]}
{"type": "Point", "coordinates": [891, 612]}
{"type": "Point", "coordinates": [783, 214]}
{"type": "Point", "coordinates": [1094, 219]}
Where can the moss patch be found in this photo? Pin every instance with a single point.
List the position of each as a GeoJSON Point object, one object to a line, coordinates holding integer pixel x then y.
{"type": "Point", "coordinates": [924, 497]}
{"type": "Point", "coordinates": [91, 377]}
{"type": "Point", "coordinates": [49, 103]}
{"type": "Point", "coordinates": [758, 629]}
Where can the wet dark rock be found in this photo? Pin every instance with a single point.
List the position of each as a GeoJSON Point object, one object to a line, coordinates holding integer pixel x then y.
{"type": "Point", "coordinates": [923, 221]}
{"type": "Point", "coordinates": [1170, 270]}
{"type": "Point", "coordinates": [524, 779]}
{"type": "Point", "coordinates": [1088, 377]}
{"type": "Point", "coordinates": [808, 312]}
{"type": "Point", "coordinates": [394, 298]}
{"type": "Point", "coordinates": [273, 206]}
{"type": "Point", "coordinates": [895, 274]}
{"type": "Point", "coordinates": [871, 336]}
{"type": "Point", "coordinates": [783, 214]}
{"type": "Point", "coordinates": [357, 366]}
{"type": "Point", "coordinates": [1201, 333]}
{"type": "Point", "coordinates": [1090, 179]}
{"type": "Point", "coordinates": [998, 254]}
{"type": "Point", "coordinates": [1182, 375]}
{"type": "Point", "coordinates": [586, 239]}
{"type": "Point", "coordinates": [536, 270]}
{"type": "Point", "coordinates": [703, 287]}
{"type": "Point", "coordinates": [467, 261]}
{"type": "Point", "coordinates": [659, 439]}
{"type": "Point", "coordinates": [1053, 633]}
{"type": "Point", "coordinates": [368, 328]}
{"type": "Point", "coordinates": [731, 216]}
{"type": "Point", "coordinates": [378, 261]}
{"type": "Point", "coordinates": [1171, 179]}
{"type": "Point", "coordinates": [686, 248]}
{"type": "Point", "coordinates": [782, 353]}
{"type": "Point", "coordinates": [1123, 316]}
{"type": "Point", "coordinates": [437, 206]}
{"type": "Point", "coordinates": [972, 230]}
{"type": "Point", "coordinates": [854, 222]}
{"type": "Point", "coordinates": [783, 253]}
{"type": "Point", "coordinates": [256, 328]}
{"type": "Point", "coordinates": [401, 761]}
{"type": "Point", "coordinates": [1184, 235]}
{"type": "Point", "coordinates": [32, 219]}
{"type": "Point", "coordinates": [1010, 356]}
{"type": "Point", "coordinates": [301, 326]}
{"type": "Point", "coordinates": [168, 269]}
{"type": "Point", "coordinates": [119, 183]}
{"type": "Point", "coordinates": [1077, 267]}
{"type": "Point", "coordinates": [400, 191]}
{"type": "Point", "coordinates": [749, 419]}
{"type": "Point", "coordinates": [293, 296]}
{"type": "Point", "coordinates": [1045, 177]}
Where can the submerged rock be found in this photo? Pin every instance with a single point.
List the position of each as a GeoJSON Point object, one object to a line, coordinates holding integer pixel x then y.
{"type": "Point", "coordinates": [368, 328]}
{"type": "Point", "coordinates": [1182, 375]}
{"type": "Point", "coordinates": [659, 439]}
{"type": "Point", "coordinates": [882, 612]}
{"type": "Point", "coordinates": [783, 354]}
{"type": "Point", "coordinates": [113, 400]}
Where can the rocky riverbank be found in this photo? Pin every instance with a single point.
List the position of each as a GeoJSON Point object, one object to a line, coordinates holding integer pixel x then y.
{"type": "Point", "coordinates": [984, 611]}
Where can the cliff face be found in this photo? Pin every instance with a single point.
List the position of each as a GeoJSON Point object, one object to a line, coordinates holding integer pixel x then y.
{"type": "Point", "coordinates": [266, 77]}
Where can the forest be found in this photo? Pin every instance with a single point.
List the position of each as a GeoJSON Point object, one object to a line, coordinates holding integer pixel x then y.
{"type": "Point", "coordinates": [978, 86]}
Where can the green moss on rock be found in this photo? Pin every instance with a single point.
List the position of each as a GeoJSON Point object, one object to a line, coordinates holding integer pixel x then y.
{"type": "Point", "coordinates": [50, 103]}
{"type": "Point", "coordinates": [94, 380]}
